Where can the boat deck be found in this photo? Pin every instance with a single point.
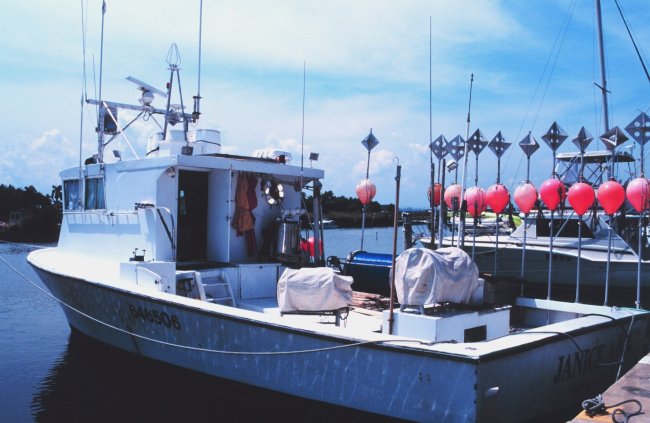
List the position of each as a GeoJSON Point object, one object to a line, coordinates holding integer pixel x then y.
{"type": "Point", "coordinates": [356, 319]}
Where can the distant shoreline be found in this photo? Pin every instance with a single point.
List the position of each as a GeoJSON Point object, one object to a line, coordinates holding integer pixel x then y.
{"type": "Point", "coordinates": [23, 236]}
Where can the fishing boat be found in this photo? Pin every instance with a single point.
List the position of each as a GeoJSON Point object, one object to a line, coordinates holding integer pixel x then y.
{"type": "Point", "coordinates": [192, 257]}
{"type": "Point", "coordinates": [328, 224]}
{"type": "Point", "coordinates": [502, 251]}
{"type": "Point", "coordinates": [594, 244]}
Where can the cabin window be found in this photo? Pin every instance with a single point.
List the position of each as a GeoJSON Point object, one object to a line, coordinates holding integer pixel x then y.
{"type": "Point", "coordinates": [71, 195]}
{"type": "Point", "coordinates": [476, 334]}
{"type": "Point", "coordinates": [95, 194]}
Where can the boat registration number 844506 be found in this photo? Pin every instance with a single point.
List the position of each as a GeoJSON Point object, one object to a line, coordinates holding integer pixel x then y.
{"type": "Point", "coordinates": [153, 316]}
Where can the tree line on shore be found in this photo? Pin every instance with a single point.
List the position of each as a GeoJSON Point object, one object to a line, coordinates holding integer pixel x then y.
{"type": "Point", "coordinates": [347, 212]}
{"type": "Point", "coordinates": [41, 213]}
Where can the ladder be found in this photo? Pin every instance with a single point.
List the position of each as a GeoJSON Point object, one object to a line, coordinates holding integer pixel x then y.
{"type": "Point", "coordinates": [218, 287]}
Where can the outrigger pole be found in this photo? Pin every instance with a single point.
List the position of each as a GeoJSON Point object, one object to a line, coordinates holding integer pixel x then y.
{"type": "Point", "coordinates": [100, 116]}
{"type": "Point", "coordinates": [529, 145]}
{"type": "Point", "coordinates": [433, 190]}
{"type": "Point", "coordinates": [461, 231]}
{"type": "Point", "coordinates": [392, 273]}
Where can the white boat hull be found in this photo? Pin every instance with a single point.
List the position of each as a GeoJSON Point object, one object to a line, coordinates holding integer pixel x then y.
{"type": "Point", "coordinates": [408, 381]}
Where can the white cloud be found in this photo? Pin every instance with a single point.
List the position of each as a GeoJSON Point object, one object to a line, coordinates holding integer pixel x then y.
{"type": "Point", "coordinates": [367, 67]}
{"type": "Point", "coordinates": [33, 165]}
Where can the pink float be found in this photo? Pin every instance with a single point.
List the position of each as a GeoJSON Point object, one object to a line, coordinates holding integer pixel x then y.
{"type": "Point", "coordinates": [475, 197]}
{"type": "Point", "coordinates": [611, 196]}
{"type": "Point", "coordinates": [525, 197]}
{"type": "Point", "coordinates": [436, 194]}
{"type": "Point", "coordinates": [452, 191]}
{"type": "Point", "coordinates": [497, 198]}
{"type": "Point", "coordinates": [552, 193]}
{"type": "Point", "coordinates": [638, 194]}
{"type": "Point", "coordinates": [366, 191]}
{"type": "Point", "coordinates": [581, 197]}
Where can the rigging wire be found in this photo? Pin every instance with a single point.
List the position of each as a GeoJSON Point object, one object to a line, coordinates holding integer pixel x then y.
{"type": "Point", "coordinates": [633, 40]}
{"type": "Point", "coordinates": [566, 29]}
{"type": "Point", "coordinates": [95, 84]}
{"type": "Point", "coordinates": [532, 100]}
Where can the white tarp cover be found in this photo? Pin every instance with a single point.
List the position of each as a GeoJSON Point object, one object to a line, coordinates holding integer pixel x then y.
{"type": "Point", "coordinates": [313, 289]}
{"type": "Point", "coordinates": [424, 276]}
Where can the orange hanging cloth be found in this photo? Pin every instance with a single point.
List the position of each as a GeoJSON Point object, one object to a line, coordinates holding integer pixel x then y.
{"type": "Point", "coordinates": [243, 220]}
{"type": "Point", "coordinates": [245, 202]}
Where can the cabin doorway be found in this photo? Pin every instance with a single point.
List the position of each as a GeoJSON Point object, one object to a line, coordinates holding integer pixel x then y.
{"type": "Point", "coordinates": [192, 235]}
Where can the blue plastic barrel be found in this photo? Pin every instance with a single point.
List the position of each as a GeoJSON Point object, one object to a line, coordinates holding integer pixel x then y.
{"type": "Point", "coordinates": [370, 271]}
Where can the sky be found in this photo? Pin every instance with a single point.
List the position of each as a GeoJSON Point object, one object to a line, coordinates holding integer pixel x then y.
{"type": "Point", "coordinates": [367, 66]}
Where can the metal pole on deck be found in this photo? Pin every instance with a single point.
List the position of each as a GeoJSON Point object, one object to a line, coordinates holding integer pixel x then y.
{"type": "Point", "coordinates": [369, 142]}
{"type": "Point", "coordinates": [442, 205]}
{"type": "Point", "coordinates": [463, 186]}
{"type": "Point", "coordinates": [433, 172]}
{"type": "Point", "coordinates": [609, 253]}
{"type": "Point", "coordinates": [474, 232]}
{"type": "Point", "coordinates": [432, 230]}
{"type": "Point", "coordinates": [529, 145]}
{"type": "Point", "coordinates": [392, 273]}
{"type": "Point", "coordinates": [638, 274]}
{"type": "Point", "coordinates": [550, 258]}
{"type": "Point", "coordinates": [496, 247]}
{"type": "Point", "coordinates": [579, 254]}
{"type": "Point", "coordinates": [407, 228]}
{"type": "Point", "coordinates": [318, 261]}
{"type": "Point", "coordinates": [523, 249]}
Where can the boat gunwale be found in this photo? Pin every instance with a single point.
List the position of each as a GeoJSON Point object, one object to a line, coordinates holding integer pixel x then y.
{"type": "Point", "coordinates": [343, 339]}
{"type": "Point", "coordinates": [413, 350]}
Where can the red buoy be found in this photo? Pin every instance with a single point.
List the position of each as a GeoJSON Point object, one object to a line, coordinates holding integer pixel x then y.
{"type": "Point", "coordinates": [581, 197]}
{"type": "Point", "coordinates": [525, 197]}
{"type": "Point", "coordinates": [436, 194]}
{"type": "Point", "coordinates": [366, 191]}
{"type": "Point", "coordinates": [475, 197]}
{"type": "Point", "coordinates": [452, 191]}
{"type": "Point", "coordinates": [497, 197]}
{"type": "Point", "coordinates": [638, 194]}
{"type": "Point", "coordinates": [552, 193]}
{"type": "Point", "coordinates": [611, 196]}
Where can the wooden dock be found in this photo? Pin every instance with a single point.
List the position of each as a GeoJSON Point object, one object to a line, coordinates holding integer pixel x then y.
{"type": "Point", "coordinates": [634, 385]}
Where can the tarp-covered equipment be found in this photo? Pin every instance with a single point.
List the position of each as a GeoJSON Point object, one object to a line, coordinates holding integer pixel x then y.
{"type": "Point", "coordinates": [446, 275]}
{"type": "Point", "coordinates": [313, 289]}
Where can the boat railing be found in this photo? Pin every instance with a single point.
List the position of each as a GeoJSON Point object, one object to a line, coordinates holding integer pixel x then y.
{"type": "Point", "coordinates": [100, 212]}
{"type": "Point", "coordinates": [171, 235]}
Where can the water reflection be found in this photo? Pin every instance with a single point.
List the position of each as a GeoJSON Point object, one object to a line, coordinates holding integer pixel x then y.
{"type": "Point", "coordinates": [93, 382]}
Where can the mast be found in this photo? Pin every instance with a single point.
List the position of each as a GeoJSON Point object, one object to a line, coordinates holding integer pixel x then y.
{"type": "Point", "coordinates": [100, 124]}
{"type": "Point", "coordinates": [461, 239]}
{"type": "Point", "coordinates": [432, 201]}
{"type": "Point", "coordinates": [601, 56]}
{"type": "Point", "coordinates": [197, 98]}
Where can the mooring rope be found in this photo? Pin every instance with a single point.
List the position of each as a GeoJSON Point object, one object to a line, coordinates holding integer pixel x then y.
{"type": "Point", "coordinates": [596, 406]}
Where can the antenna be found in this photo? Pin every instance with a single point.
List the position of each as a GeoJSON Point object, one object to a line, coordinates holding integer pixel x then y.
{"type": "Point", "coordinates": [197, 98]}
{"type": "Point", "coordinates": [461, 240]}
{"type": "Point", "coordinates": [302, 140]}
{"type": "Point", "coordinates": [100, 132]}
{"type": "Point", "coordinates": [432, 201]}
{"type": "Point", "coordinates": [83, 89]}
